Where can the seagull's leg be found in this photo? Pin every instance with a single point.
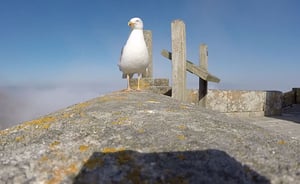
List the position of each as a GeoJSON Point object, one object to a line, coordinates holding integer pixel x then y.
{"type": "Point", "coordinates": [138, 86]}
{"type": "Point", "coordinates": [128, 83]}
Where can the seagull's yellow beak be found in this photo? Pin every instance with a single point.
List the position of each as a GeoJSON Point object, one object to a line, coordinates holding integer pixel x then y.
{"type": "Point", "coordinates": [130, 24]}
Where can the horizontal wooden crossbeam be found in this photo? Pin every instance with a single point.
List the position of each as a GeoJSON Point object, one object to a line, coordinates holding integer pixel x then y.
{"type": "Point", "coordinates": [190, 67]}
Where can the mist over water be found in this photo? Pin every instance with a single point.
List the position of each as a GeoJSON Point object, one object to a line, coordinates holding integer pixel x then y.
{"type": "Point", "coordinates": [20, 104]}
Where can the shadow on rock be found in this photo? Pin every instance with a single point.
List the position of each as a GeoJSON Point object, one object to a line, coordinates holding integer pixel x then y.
{"type": "Point", "coordinates": [207, 166]}
{"type": "Point", "coordinates": [290, 113]}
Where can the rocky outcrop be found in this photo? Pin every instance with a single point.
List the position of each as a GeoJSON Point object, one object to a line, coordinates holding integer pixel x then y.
{"type": "Point", "coordinates": [141, 137]}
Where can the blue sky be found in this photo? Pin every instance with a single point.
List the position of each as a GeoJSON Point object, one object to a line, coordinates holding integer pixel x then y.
{"type": "Point", "coordinates": [49, 43]}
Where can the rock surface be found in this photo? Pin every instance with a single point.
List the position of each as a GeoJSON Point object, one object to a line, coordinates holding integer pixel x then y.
{"type": "Point", "coordinates": [141, 137]}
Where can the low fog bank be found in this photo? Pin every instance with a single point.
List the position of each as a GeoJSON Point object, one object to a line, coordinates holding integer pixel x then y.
{"type": "Point", "coordinates": [19, 104]}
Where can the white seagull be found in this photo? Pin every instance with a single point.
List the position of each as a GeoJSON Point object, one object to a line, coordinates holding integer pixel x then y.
{"type": "Point", "coordinates": [134, 55]}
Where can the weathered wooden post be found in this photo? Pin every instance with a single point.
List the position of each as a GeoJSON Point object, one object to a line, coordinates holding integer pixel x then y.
{"type": "Point", "coordinates": [203, 83]}
{"type": "Point", "coordinates": [148, 39]}
{"type": "Point", "coordinates": [178, 60]}
{"type": "Point", "coordinates": [180, 65]}
{"type": "Point", "coordinates": [297, 95]}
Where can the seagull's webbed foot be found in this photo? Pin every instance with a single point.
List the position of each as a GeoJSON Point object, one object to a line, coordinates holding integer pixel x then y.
{"type": "Point", "coordinates": [128, 90]}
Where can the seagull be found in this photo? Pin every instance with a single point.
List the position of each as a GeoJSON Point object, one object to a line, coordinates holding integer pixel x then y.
{"type": "Point", "coordinates": [134, 54]}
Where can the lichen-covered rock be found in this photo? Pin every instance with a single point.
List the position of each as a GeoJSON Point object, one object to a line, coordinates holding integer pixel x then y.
{"type": "Point", "coordinates": [141, 137]}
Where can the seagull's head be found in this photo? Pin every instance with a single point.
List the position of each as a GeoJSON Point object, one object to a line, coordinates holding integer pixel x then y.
{"type": "Point", "coordinates": [136, 23]}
